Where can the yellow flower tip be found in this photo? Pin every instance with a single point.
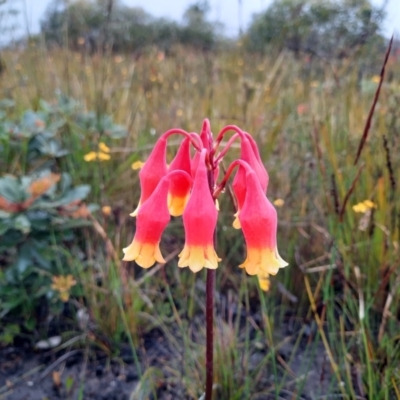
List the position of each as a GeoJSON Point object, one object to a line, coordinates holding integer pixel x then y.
{"type": "Point", "coordinates": [376, 79]}
{"type": "Point", "coordinates": [137, 165]}
{"type": "Point", "coordinates": [264, 282]}
{"type": "Point", "coordinates": [198, 257]}
{"type": "Point", "coordinates": [135, 212]}
{"type": "Point", "coordinates": [104, 148]}
{"type": "Point", "coordinates": [90, 156]}
{"type": "Point", "coordinates": [279, 202]}
{"type": "Point", "coordinates": [144, 254]}
{"type": "Point", "coordinates": [217, 204]}
{"type": "Point", "coordinates": [265, 260]}
{"type": "Point", "coordinates": [176, 205]}
{"type": "Point", "coordinates": [106, 210]}
{"type": "Point", "coordinates": [236, 222]}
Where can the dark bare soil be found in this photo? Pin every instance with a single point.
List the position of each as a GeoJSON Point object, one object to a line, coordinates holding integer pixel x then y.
{"type": "Point", "coordinates": [90, 374]}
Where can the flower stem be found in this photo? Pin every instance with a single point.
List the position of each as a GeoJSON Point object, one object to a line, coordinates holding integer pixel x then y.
{"type": "Point", "coordinates": [209, 332]}
{"type": "Point", "coordinates": [210, 287]}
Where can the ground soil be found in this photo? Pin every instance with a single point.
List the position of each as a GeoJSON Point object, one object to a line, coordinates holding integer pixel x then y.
{"type": "Point", "coordinates": [26, 374]}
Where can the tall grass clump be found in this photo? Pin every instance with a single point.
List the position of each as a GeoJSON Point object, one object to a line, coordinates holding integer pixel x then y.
{"type": "Point", "coordinates": [332, 316]}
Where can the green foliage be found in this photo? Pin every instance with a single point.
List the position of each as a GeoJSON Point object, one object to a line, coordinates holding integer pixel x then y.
{"type": "Point", "coordinates": [308, 127]}
{"type": "Point", "coordinates": [40, 208]}
{"type": "Point", "coordinates": [324, 28]}
{"type": "Point", "coordinates": [99, 23]}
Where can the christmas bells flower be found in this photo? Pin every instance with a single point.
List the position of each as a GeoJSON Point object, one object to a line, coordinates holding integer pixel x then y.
{"type": "Point", "coordinates": [199, 220]}
{"type": "Point", "coordinates": [152, 218]}
{"type": "Point", "coordinates": [152, 172]}
{"type": "Point", "coordinates": [179, 190]}
{"type": "Point", "coordinates": [259, 222]}
{"type": "Point", "coordinates": [188, 188]}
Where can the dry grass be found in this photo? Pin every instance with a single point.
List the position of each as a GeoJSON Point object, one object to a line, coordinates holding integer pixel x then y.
{"type": "Point", "coordinates": [340, 293]}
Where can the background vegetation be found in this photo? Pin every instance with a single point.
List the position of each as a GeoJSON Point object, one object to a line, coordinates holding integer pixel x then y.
{"type": "Point", "coordinates": [330, 324]}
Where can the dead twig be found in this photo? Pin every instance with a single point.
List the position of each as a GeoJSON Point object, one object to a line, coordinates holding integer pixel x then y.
{"type": "Point", "coordinates": [372, 110]}
{"type": "Point", "coordinates": [386, 312]}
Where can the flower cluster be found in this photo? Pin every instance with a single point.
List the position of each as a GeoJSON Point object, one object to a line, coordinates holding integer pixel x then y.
{"type": "Point", "coordinates": [188, 187]}
{"type": "Point", "coordinates": [364, 206]}
{"type": "Point", "coordinates": [103, 154]}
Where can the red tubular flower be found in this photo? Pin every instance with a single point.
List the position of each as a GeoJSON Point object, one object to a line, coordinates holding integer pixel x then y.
{"type": "Point", "coordinates": [259, 222]}
{"type": "Point", "coordinates": [152, 172]}
{"type": "Point", "coordinates": [258, 169]}
{"type": "Point", "coordinates": [179, 189]}
{"type": "Point", "coordinates": [249, 153]}
{"type": "Point", "coordinates": [152, 219]}
{"type": "Point", "coordinates": [199, 220]}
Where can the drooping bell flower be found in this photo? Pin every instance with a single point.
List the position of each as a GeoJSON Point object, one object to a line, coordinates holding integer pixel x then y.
{"type": "Point", "coordinates": [258, 219]}
{"type": "Point", "coordinates": [152, 172]}
{"type": "Point", "coordinates": [179, 189]}
{"type": "Point", "coordinates": [199, 220]}
{"type": "Point", "coordinates": [249, 153]}
{"type": "Point", "coordinates": [152, 219]}
{"type": "Point", "coordinates": [258, 169]}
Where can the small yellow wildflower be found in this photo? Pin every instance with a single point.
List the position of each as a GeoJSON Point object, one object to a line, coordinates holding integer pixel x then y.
{"type": "Point", "coordinates": [63, 285]}
{"type": "Point", "coordinates": [279, 202]}
{"type": "Point", "coordinates": [103, 156]}
{"type": "Point", "coordinates": [90, 156]}
{"type": "Point", "coordinates": [376, 79]}
{"type": "Point", "coordinates": [137, 165]}
{"type": "Point", "coordinates": [314, 84]}
{"type": "Point", "coordinates": [364, 206]}
{"type": "Point", "coordinates": [104, 148]}
{"type": "Point", "coordinates": [106, 210]}
{"type": "Point", "coordinates": [369, 203]}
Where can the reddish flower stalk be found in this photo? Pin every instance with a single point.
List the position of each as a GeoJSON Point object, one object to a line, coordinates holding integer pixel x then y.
{"type": "Point", "coordinates": [170, 190]}
{"type": "Point", "coordinates": [210, 288]}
